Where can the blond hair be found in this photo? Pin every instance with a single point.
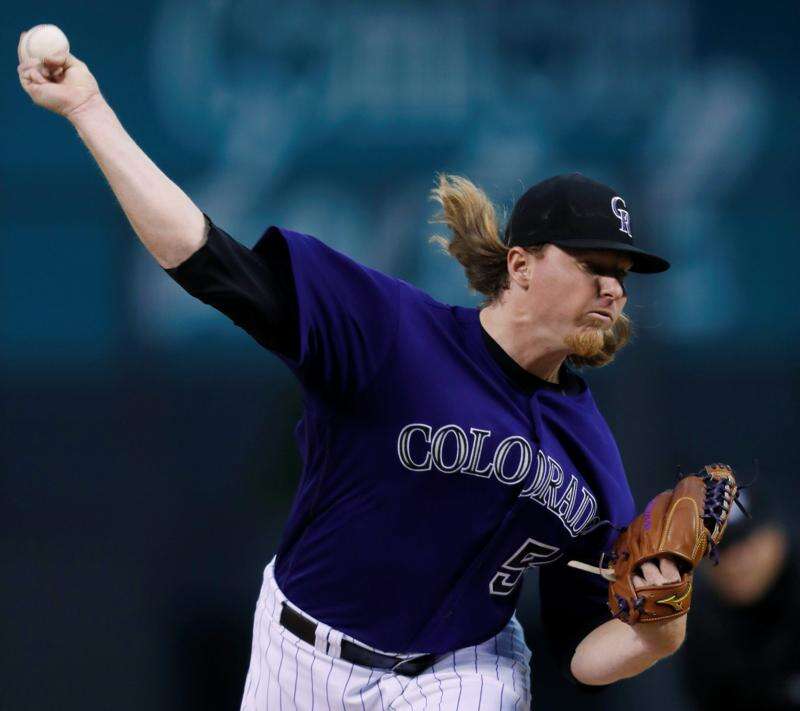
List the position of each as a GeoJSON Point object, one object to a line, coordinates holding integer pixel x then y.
{"type": "Point", "coordinates": [476, 244]}
{"type": "Point", "coordinates": [475, 241]}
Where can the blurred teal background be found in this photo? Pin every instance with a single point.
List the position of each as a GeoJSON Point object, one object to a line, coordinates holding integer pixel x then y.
{"type": "Point", "coordinates": [147, 460]}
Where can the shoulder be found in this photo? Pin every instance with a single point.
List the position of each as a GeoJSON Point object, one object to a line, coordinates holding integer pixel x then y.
{"type": "Point", "coordinates": [312, 259]}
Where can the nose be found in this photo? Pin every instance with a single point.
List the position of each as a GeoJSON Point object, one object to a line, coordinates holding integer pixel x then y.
{"type": "Point", "coordinates": [611, 286]}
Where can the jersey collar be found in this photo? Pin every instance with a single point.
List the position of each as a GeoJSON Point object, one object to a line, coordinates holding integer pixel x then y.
{"type": "Point", "coordinates": [569, 383]}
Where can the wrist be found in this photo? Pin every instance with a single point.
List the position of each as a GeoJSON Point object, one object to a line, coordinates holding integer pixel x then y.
{"type": "Point", "coordinates": [86, 111]}
{"type": "Point", "coordinates": [664, 638]}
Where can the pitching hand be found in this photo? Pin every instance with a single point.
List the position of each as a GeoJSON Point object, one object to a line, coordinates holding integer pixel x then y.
{"type": "Point", "coordinates": [660, 571]}
{"type": "Point", "coordinates": [59, 84]}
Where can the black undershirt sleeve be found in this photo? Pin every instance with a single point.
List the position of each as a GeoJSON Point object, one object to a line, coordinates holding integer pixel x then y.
{"type": "Point", "coordinates": [573, 603]}
{"type": "Point", "coordinates": [255, 290]}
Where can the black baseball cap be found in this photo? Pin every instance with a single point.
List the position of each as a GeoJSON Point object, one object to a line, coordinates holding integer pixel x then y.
{"type": "Point", "coordinates": [576, 212]}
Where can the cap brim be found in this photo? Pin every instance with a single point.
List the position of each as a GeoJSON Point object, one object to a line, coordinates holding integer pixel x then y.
{"type": "Point", "coordinates": [643, 262]}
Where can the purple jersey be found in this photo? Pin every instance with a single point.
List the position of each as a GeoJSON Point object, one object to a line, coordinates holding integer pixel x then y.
{"type": "Point", "coordinates": [429, 482]}
{"type": "Point", "coordinates": [431, 479]}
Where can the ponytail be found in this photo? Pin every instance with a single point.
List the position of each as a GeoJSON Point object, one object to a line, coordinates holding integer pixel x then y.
{"type": "Point", "coordinates": [475, 240]}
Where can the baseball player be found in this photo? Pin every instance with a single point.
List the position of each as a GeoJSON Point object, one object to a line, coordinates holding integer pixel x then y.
{"type": "Point", "coordinates": [445, 449]}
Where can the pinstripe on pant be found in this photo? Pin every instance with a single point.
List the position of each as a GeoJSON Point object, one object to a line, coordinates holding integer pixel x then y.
{"type": "Point", "coordinates": [287, 673]}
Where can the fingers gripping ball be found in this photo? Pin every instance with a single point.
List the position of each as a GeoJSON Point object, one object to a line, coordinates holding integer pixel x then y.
{"type": "Point", "coordinates": [49, 45]}
{"type": "Point", "coordinates": [46, 42]}
{"type": "Point", "coordinates": [60, 82]}
{"type": "Point", "coordinates": [683, 524]}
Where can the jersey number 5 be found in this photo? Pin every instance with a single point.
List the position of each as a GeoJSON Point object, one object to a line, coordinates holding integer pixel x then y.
{"type": "Point", "coordinates": [531, 553]}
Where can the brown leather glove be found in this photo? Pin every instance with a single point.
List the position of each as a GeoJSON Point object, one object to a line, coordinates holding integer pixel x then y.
{"type": "Point", "coordinates": [684, 524]}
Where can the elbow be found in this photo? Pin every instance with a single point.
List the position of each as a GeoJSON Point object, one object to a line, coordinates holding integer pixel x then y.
{"type": "Point", "coordinates": [586, 676]}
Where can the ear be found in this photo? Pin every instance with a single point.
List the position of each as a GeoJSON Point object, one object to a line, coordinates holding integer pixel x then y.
{"type": "Point", "coordinates": [520, 266]}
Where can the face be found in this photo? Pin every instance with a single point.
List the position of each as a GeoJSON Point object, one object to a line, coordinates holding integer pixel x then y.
{"type": "Point", "coordinates": [576, 295]}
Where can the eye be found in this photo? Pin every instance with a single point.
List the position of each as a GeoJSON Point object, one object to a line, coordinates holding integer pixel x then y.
{"type": "Point", "coordinates": [601, 270]}
{"type": "Point", "coordinates": [596, 269]}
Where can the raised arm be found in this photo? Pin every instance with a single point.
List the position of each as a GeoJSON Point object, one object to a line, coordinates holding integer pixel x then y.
{"type": "Point", "coordinates": [168, 223]}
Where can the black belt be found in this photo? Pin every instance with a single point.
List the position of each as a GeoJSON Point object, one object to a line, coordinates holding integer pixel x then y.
{"type": "Point", "coordinates": [300, 626]}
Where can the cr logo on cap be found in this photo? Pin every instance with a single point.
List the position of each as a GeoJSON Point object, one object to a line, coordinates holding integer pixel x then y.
{"type": "Point", "coordinates": [622, 215]}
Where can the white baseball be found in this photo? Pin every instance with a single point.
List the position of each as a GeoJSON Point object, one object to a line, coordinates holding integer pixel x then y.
{"type": "Point", "coordinates": [46, 41]}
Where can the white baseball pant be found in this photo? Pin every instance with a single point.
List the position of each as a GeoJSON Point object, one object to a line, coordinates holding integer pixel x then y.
{"type": "Point", "coordinates": [287, 673]}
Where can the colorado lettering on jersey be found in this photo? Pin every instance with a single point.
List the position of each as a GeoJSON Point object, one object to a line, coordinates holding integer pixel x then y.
{"type": "Point", "coordinates": [450, 450]}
